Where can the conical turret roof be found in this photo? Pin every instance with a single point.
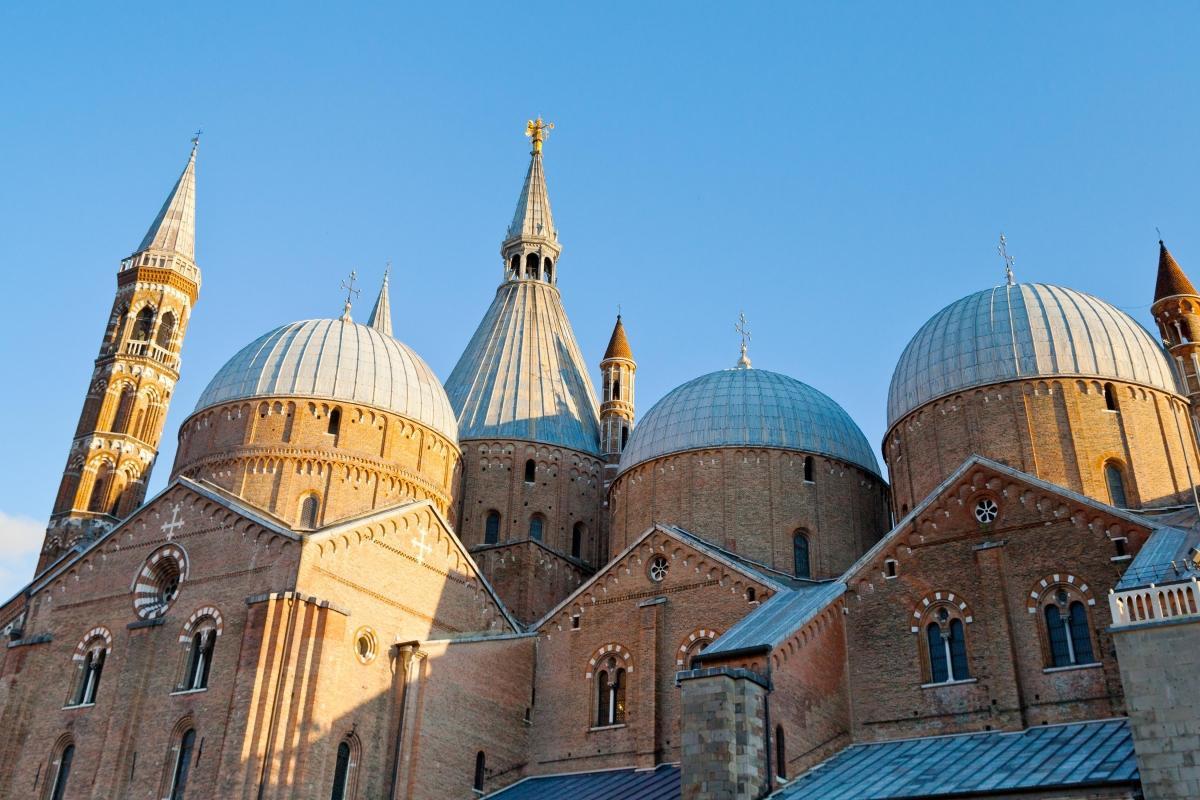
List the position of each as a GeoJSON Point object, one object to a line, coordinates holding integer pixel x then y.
{"type": "Point", "coordinates": [533, 219]}
{"type": "Point", "coordinates": [381, 314]}
{"type": "Point", "coordinates": [618, 345]}
{"type": "Point", "coordinates": [1171, 279]}
{"type": "Point", "coordinates": [174, 229]}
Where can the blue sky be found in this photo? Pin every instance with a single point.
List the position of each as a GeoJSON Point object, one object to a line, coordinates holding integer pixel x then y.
{"type": "Point", "coordinates": [839, 171]}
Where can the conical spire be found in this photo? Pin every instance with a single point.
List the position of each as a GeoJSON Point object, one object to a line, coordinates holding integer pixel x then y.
{"type": "Point", "coordinates": [174, 229]}
{"type": "Point", "coordinates": [618, 345]}
{"type": "Point", "coordinates": [533, 219]}
{"type": "Point", "coordinates": [381, 314]}
{"type": "Point", "coordinates": [1171, 280]}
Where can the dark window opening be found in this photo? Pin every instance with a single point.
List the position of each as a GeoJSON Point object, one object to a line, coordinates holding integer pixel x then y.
{"type": "Point", "coordinates": [780, 754]}
{"type": "Point", "coordinates": [577, 540]}
{"type": "Point", "coordinates": [800, 556]}
{"type": "Point", "coordinates": [1070, 637]}
{"type": "Point", "coordinates": [530, 471]}
{"type": "Point", "coordinates": [610, 702]}
{"type": "Point", "coordinates": [514, 264]}
{"type": "Point", "coordinates": [808, 469]}
{"type": "Point", "coordinates": [549, 271]}
{"type": "Point", "coordinates": [1119, 544]}
{"type": "Point", "coordinates": [624, 436]}
{"type": "Point", "coordinates": [89, 679]}
{"type": "Point", "coordinates": [531, 266]}
{"type": "Point", "coordinates": [1116, 485]}
{"type": "Point", "coordinates": [1110, 397]}
{"type": "Point", "coordinates": [143, 323]}
{"type": "Point", "coordinates": [183, 763]}
{"type": "Point", "coordinates": [480, 770]}
{"type": "Point", "coordinates": [947, 650]}
{"type": "Point", "coordinates": [166, 330]}
{"type": "Point", "coordinates": [616, 389]}
{"type": "Point", "coordinates": [536, 523]}
{"type": "Point", "coordinates": [200, 659]}
{"type": "Point", "coordinates": [341, 772]}
{"type": "Point", "coordinates": [335, 421]}
{"type": "Point", "coordinates": [751, 594]}
{"type": "Point", "coordinates": [59, 789]}
{"type": "Point", "coordinates": [309, 509]}
{"type": "Point", "coordinates": [491, 528]}
{"type": "Point", "coordinates": [890, 568]}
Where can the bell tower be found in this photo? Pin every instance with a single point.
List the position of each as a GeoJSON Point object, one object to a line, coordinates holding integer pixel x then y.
{"type": "Point", "coordinates": [1176, 309]}
{"type": "Point", "coordinates": [617, 370]}
{"type": "Point", "coordinates": [134, 377]}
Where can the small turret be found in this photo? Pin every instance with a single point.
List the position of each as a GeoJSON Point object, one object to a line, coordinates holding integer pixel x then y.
{"type": "Point", "coordinates": [1176, 309]}
{"type": "Point", "coordinates": [617, 370]}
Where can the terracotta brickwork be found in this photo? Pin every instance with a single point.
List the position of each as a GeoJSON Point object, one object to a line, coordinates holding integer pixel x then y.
{"type": "Point", "coordinates": [530, 577]}
{"type": "Point", "coordinates": [652, 629]}
{"type": "Point", "coordinates": [753, 502]}
{"type": "Point", "coordinates": [275, 453]}
{"type": "Point", "coordinates": [1061, 431]}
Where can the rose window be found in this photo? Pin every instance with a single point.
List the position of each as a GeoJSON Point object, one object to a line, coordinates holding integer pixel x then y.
{"type": "Point", "coordinates": [658, 569]}
{"type": "Point", "coordinates": [986, 510]}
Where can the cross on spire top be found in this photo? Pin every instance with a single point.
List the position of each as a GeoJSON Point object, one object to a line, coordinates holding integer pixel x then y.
{"type": "Point", "coordinates": [1008, 261]}
{"type": "Point", "coordinates": [743, 330]}
{"type": "Point", "coordinates": [348, 285]}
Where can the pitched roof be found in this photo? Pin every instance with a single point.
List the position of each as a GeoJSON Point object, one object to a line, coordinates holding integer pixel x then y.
{"type": "Point", "coordinates": [618, 345]}
{"type": "Point", "coordinates": [381, 314]}
{"type": "Point", "coordinates": [1046, 757]}
{"type": "Point", "coordinates": [532, 219]}
{"type": "Point", "coordinates": [774, 621]}
{"type": "Point", "coordinates": [1171, 280]}
{"type": "Point", "coordinates": [174, 229]}
{"type": "Point", "coordinates": [661, 783]}
{"type": "Point", "coordinates": [1167, 554]}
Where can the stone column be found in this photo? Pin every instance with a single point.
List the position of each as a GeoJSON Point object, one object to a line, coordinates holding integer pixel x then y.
{"type": "Point", "coordinates": [724, 747]}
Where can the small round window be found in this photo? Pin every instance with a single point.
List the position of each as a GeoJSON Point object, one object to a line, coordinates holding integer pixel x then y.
{"type": "Point", "coordinates": [365, 645]}
{"type": "Point", "coordinates": [986, 510]}
{"type": "Point", "coordinates": [158, 583]}
{"type": "Point", "coordinates": [659, 567]}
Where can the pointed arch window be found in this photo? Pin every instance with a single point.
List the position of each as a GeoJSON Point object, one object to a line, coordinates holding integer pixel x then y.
{"type": "Point", "coordinates": [947, 647]}
{"type": "Point", "coordinates": [1116, 484]}
{"type": "Point", "coordinates": [537, 524]}
{"type": "Point", "coordinates": [801, 564]}
{"type": "Point", "coordinates": [610, 694]}
{"type": "Point", "coordinates": [143, 324]}
{"type": "Point", "coordinates": [183, 764]}
{"type": "Point", "coordinates": [62, 772]}
{"type": "Point", "coordinates": [491, 528]}
{"type": "Point", "coordinates": [530, 471]}
{"type": "Point", "coordinates": [166, 330]}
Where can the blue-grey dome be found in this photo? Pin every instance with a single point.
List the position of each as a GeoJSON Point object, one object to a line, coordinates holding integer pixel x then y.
{"type": "Point", "coordinates": [1023, 331]}
{"type": "Point", "coordinates": [335, 360]}
{"type": "Point", "coordinates": [748, 408]}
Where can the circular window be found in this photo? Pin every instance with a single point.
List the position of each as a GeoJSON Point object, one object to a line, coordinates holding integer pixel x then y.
{"type": "Point", "coordinates": [986, 510]}
{"type": "Point", "coordinates": [158, 583]}
{"type": "Point", "coordinates": [364, 645]}
{"type": "Point", "coordinates": [659, 568]}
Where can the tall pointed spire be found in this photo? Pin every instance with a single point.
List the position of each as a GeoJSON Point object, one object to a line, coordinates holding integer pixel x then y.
{"type": "Point", "coordinates": [530, 248]}
{"type": "Point", "coordinates": [381, 314]}
{"type": "Point", "coordinates": [174, 229]}
{"type": "Point", "coordinates": [1171, 280]}
{"type": "Point", "coordinates": [618, 344]}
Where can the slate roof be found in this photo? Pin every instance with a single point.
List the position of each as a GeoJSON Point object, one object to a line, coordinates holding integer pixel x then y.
{"type": "Point", "coordinates": [1050, 756]}
{"type": "Point", "coordinates": [1166, 556]}
{"type": "Point", "coordinates": [661, 783]}
{"type": "Point", "coordinates": [775, 620]}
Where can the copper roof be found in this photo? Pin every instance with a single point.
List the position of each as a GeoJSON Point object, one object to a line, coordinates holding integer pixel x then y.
{"type": "Point", "coordinates": [1171, 279]}
{"type": "Point", "coordinates": [618, 345]}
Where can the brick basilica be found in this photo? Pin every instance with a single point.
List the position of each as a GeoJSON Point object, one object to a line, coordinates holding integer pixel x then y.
{"type": "Point", "coordinates": [362, 582]}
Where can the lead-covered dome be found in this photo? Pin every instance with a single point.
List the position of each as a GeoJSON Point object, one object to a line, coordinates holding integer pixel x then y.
{"type": "Point", "coordinates": [335, 360]}
{"type": "Point", "coordinates": [748, 408]}
{"type": "Point", "coordinates": [1023, 331]}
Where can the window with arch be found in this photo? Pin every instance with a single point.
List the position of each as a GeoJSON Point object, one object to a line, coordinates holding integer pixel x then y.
{"type": "Point", "coordinates": [780, 754]}
{"type": "Point", "coordinates": [1115, 481]}
{"type": "Point", "coordinates": [310, 509]}
{"type": "Point", "coordinates": [166, 330]}
{"type": "Point", "coordinates": [549, 272]}
{"type": "Point", "coordinates": [1068, 633]}
{"type": "Point", "coordinates": [335, 421]}
{"type": "Point", "coordinates": [491, 528]}
{"type": "Point", "coordinates": [624, 436]}
{"type": "Point", "coordinates": [801, 561]}
{"type": "Point", "coordinates": [530, 470]}
{"type": "Point", "coordinates": [125, 404]}
{"type": "Point", "coordinates": [610, 693]}
{"type": "Point", "coordinates": [537, 524]}
{"type": "Point", "coordinates": [200, 655]}
{"type": "Point", "coordinates": [531, 266]}
{"type": "Point", "coordinates": [693, 652]}
{"type": "Point", "coordinates": [341, 772]}
{"type": "Point", "coordinates": [616, 389]}
{"type": "Point", "coordinates": [946, 645]}
{"type": "Point", "coordinates": [91, 668]}
{"type": "Point", "coordinates": [480, 771]}
{"type": "Point", "coordinates": [808, 469]}
{"type": "Point", "coordinates": [514, 266]}
{"type": "Point", "coordinates": [142, 324]}
{"type": "Point", "coordinates": [577, 534]}
{"type": "Point", "coordinates": [101, 484]}
{"type": "Point", "coordinates": [1110, 397]}
{"type": "Point", "coordinates": [182, 764]}
{"type": "Point", "coordinates": [60, 770]}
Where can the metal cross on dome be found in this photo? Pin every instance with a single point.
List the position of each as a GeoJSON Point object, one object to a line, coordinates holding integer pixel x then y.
{"type": "Point", "coordinates": [1008, 261]}
{"type": "Point", "coordinates": [351, 292]}
{"type": "Point", "coordinates": [743, 330]}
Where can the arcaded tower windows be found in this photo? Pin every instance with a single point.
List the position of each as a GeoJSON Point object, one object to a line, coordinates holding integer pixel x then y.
{"type": "Point", "coordinates": [946, 643]}
{"type": "Point", "coordinates": [1068, 631]}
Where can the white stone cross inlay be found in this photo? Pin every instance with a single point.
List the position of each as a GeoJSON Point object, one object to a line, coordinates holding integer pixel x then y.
{"type": "Point", "coordinates": [423, 548]}
{"type": "Point", "coordinates": [175, 524]}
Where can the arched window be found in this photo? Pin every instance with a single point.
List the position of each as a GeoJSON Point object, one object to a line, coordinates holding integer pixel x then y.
{"type": "Point", "coordinates": [61, 772]}
{"type": "Point", "coordinates": [121, 419]}
{"type": "Point", "coordinates": [946, 639]}
{"type": "Point", "coordinates": [1068, 631]}
{"type": "Point", "coordinates": [694, 650]}
{"type": "Point", "coordinates": [1116, 484]}
{"type": "Point", "coordinates": [610, 694]}
{"type": "Point", "coordinates": [341, 772]}
{"type": "Point", "coordinates": [531, 266]}
{"type": "Point", "coordinates": [1110, 397]}
{"type": "Point", "coordinates": [577, 540]}
{"type": "Point", "coordinates": [808, 469]}
{"type": "Point", "coordinates": [616, 389]}
{"type": "Point", "coordinates": [310, 508]}
{"type": "Point", "coordinates": [514, 265]}
{"type": "Point", "coordinates": [166, 330]}
{"type": "Point", "coordinates": [530, 471]}
{"type": "Point", "coordinates": [780, 754]}
{"type": "Point", "coordinates": [335, 421]}
{"type": "Point", "coordinates": [183, 764]}
{"type": "Point", "coordinates": [800, 555]}
{"type": "Point", "coordinates": [752, 595]}
{"type": "Point", "coordinates": [491, 528]}
{"type": "Point", "coordinates": [624, 436]}
{"type": "Point", "coordinates": [100, 488]}
{"type": "Point", "coordinates": [204, 640]}
{"type": "Point", "coordinates": [549, 274]}
{"type": "Point", "coordinates": [89, 676]}
{"type": "Point", "coordinates": [536, 525]}
{"type": "Point", "coordinates": [480, 770]}
{"type": "Point", "coordinates": [143, 324]}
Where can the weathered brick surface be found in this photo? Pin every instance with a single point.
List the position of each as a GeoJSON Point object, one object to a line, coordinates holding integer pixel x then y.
{"type": "Point", "coordinates": [1060, 431]}
{"type": "Point", "coordinates": [753, 501]}
{"type": "Point", "coordinates": [529, 577]}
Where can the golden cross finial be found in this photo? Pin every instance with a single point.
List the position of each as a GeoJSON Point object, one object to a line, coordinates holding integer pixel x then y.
{"type": "Point", "coordinates": [1008, 260]}
{"type": "Point", "coordinates": [538, 130]}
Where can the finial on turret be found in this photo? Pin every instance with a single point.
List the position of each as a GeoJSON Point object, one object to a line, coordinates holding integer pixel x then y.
{"type": "Point", "coordinates": [537, 130]}
{"type": "Point", "coordinates": [1008, 261]}
{"type": "Point", "coordinates": [196, 140]}
{"type": "Point", "coordinates": [744, 331]}
{"type": "Point", "coordinates": [350, 292]}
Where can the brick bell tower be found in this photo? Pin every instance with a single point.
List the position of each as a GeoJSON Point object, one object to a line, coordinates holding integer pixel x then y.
{"type": "Point", "coordinates": [617, 370]}
{"type": "Point", "coordinates": [134, 377]}
{"type": "Point", "coordinates": [1176, 309]}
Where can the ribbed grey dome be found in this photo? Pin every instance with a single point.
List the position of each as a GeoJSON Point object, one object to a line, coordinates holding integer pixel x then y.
{"type": "Point", "coordinates": [335, 360]}
{"type": "Point", "coordinates": [748, 408]}
{"type": "Point", "coordinates": [1022, 331]}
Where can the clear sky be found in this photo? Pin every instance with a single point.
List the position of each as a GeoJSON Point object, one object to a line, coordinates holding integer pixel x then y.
{"type": "Point", "coordinates": [839, 171]}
